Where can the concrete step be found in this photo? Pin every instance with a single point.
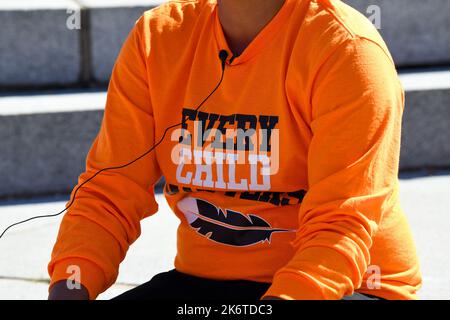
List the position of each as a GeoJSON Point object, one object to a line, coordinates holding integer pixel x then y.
{"type": "Point", "coordinates": [110, 21]}
{"type": "Point", "coordinates": [45, 136]}
{"type": "Point", "coordinates": [426, 123]}
{"type": "Point", "coordinates": [68, 42]}
{"type": "Point", "coordinates": [416, 31]}
{"type": "Point", "coordinates": [63, 42]}
{"type": "Point", "coordinates": [36, 47]}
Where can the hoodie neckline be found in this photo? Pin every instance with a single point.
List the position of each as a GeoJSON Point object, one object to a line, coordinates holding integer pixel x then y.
{"type": "Point", "coordinates": [262, 38]}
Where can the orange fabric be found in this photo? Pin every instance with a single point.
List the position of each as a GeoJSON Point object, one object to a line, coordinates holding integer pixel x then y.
{"type": "Point", "coordinates": [320, 80]}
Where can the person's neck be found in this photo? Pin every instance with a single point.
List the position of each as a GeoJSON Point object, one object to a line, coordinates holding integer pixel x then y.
{"type": "Point", "coordinates": [242, 20]}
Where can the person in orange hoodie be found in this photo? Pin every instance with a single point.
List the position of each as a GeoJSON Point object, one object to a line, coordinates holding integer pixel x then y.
{"type": "Point", "coordinates": [276, 124]}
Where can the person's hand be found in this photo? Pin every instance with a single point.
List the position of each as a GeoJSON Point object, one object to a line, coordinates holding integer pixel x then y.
{"type": "Point", "coordinates": [60, 291]}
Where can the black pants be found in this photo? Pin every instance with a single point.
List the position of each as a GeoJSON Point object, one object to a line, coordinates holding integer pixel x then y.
{"type": "Point", "coordinates": [174, 285]}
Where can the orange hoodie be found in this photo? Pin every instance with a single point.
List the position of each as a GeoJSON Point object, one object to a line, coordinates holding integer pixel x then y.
{"type": "Point", "coordinates": [286, 175]}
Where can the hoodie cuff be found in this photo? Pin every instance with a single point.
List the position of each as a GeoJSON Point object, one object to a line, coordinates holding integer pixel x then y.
{"type": "Point", "coordinates": [291, 286]}
{"type": "Point", "coordinates": [91, 276]}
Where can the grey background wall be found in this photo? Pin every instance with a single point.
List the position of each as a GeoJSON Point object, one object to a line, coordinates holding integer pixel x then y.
{"type": "Point", "coordinates": [49, 116]}
{"type": "Point", "coordinates": [416, 31]}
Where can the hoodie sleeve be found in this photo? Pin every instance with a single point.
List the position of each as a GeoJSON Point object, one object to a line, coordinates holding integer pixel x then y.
{"type": "Point", "coordinates": [104, 219]}
{"type": "Point", "coordinates": [357, 105]}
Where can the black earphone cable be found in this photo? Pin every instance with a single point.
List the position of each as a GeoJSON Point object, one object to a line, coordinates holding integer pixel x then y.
{"type": "Point", "coordinates": [223, 55]}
